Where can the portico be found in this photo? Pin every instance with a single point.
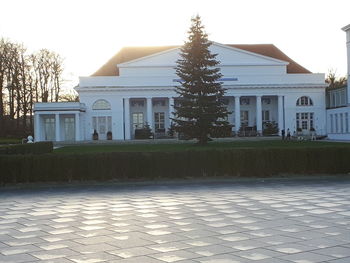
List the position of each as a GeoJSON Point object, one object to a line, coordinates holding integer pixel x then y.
{"type": "Point", "coordinates": [53, 122]}
{"type": "Point", "coordinates": [246, 110]}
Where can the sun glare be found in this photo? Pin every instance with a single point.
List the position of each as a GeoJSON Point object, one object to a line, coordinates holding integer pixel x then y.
{"type": "Point", "coordinates": [88, 33]}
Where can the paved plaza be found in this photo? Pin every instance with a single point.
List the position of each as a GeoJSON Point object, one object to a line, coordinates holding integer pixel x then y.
{"type": "Point", "coordinates": [282, 221]}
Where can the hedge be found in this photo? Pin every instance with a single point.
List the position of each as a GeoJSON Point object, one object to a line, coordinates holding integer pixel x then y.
{"type": "Point", "coordinates": [152, 165]}
{"type": "Point", "coordinates": [28, 148]}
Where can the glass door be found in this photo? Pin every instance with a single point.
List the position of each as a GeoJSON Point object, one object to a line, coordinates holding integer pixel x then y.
{"type": "Point", "coordinates": [69, 128]}
{"type": "Point", "coordinates": [102, 125]}
{"type": "Point", "coordinates": [49, 127]}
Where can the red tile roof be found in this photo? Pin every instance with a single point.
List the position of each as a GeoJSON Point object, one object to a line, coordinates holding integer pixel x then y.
{"type": "Point", "coordinates": [131, 53]}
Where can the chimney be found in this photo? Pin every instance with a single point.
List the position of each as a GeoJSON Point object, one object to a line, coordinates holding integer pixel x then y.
{"type": "Point", "coordinates": [347, 31]}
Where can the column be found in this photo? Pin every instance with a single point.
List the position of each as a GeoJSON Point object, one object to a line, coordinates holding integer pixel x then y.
{"type": "Point", "coordinates": [280, 114]}
{"type": "Point", "coordinates": [57, 127]}
{"type": "Point", "coordinates": [237, 114]}
{"type": "Point", "coordinates": [127, 119]}
{"type": "Point", "coordinates": [171, 110]}
{"type": "Point", "coordinates": [150, 113]}
{"type": "Point", "coordinates": [258, 115]}
{"type": "Point", "coordinates": [37, 128]}
{"type": "Point", "coordinates": [77, 127]}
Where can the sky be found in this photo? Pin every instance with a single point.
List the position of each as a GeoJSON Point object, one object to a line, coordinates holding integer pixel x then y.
{"type": "Point", "coordinates": [86, 33]}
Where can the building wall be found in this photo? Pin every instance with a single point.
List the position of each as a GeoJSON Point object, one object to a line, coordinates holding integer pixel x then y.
{"type": "Point", "coordinates": [338, 123]}
{"type": "Point", "coordinates": [245, 75]}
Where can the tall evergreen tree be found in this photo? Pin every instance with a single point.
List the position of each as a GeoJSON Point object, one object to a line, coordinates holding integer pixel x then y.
{"type": "Point", "coordinates": [200, 109]}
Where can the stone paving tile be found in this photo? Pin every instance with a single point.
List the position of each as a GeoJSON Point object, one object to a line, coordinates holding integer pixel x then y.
{"type": "Point", "coordinates": [307, 257]}
{"type": "Point", "coordinates": [18, 258]}
{"type": "Point", "coordinates": [141, 259]}
{"type": "Point", "coordinates": [341, 260]}
{"type": "Point", "coordinates": [225, 258]}
{"type": "Point", "coordinates": [275, 221]}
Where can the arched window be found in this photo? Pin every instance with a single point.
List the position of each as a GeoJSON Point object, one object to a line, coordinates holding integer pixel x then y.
{"type": "Point", "coordinates": [101, 105]}
{"type": "Point", "coordinates": [304, 101]}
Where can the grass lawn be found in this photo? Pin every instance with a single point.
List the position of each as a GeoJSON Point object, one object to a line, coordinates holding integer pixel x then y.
{"type": "Point", "coordinates": [188, 146]}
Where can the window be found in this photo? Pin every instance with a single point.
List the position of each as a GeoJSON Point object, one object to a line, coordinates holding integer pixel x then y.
{"type": "Point", "coordinates": [305, 120]}
{"type": "Point", "coordinates": [304, 101]}
{"type": "Point", "coordinates": [346, 122]}
{"type": "Point", "coordinates": [332, 124]}
{"type": "Point", "coordinates": [245, 101]}
{"type": "Point", "coordinates": [336, 123]}
{"type": "Point", "coordinates": [102, 125]}
{"type": "Point", "coordinates": [101, 105]}
{"type": "Point", "coordinates": [49, 127]}
{"type": "Point", "coordinates": [159, 123]}
{"type": "Point", "coordinates": [137, 103]}
{"type": "Point", "coordinates": [341, 123]}
{"type": "Point", "coordinates": [333, 100]}
{"type": "Point", "coordinates": [158, 102]}
{"type": "Point", "coordinates": [137, 120]}
{"type": "Point", "coordinates": [266, 100]}
{"type": "Point", "coordinates": [69, 128]}
{"type": "Point", "coordinates": [265, 115]}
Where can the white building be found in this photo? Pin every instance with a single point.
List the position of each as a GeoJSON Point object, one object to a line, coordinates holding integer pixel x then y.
{"type": "Point", "coordinates": [338, 113]}
{"type": "Point", "coordinates": [137, 86]}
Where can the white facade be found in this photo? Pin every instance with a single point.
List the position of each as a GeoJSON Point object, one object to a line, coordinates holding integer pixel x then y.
{"type": "Point", "coordinates": [338, 124]}
{"type": "Point", "coordinates": [258, 87]}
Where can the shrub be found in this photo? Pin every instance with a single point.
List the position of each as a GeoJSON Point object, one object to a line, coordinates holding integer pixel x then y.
{"type": "Point", "coordinates": [151, 165]}
{"type": "Point", "coordinates": [270, 128]}
{"type": "Point", "coordinates": [221, 131]}
{"type": "Point", "coordinates": [144, 133]}
{"type": "Point", "coordinates": [28, 148]}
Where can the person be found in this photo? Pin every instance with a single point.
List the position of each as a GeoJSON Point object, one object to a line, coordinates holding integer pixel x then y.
{"type": "Point", "coordinates": [313, 134]}
{"type": "Point", "coordinates": [288, 134]}
{"type": "Point", "coordinates": [283, 133]}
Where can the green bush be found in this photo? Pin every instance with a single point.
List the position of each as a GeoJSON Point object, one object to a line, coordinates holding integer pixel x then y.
{"type": "Point", "coordinates": [28, 148]}
{"type": "Point", "coordinates": [270, 128]}
{"type": "Point", "coordinates": [152, 165]}
{"type": "Point", "coordinates": [221, 131]}
{"type": "Point", "coordinates": [144, 133]}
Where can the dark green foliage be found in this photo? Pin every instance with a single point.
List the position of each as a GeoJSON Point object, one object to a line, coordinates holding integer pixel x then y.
{"type": "Point", "coordinates": [121, 166]}
{"type": "Point", "coordinates": [144, 133]}
{"type": "Point", "coordinates": [270, 128]}
{"type": "Point", "coordinates": [221, 131]}
{"type": "Point", "coordinates": [28, 148]}
{"type": "Point", "coordinates": [200, 107]}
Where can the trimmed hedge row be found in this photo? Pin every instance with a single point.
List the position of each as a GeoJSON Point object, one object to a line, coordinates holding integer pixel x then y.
{"type": "Point", "coordinates": [152, 165]}
{"type": "Point", "coordinates": [28, 148]}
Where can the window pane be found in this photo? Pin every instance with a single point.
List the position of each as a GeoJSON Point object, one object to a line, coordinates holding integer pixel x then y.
{"type": "Point", "coordinates": [109, 123]}
{"type": "Point", "coordinates": [303, 125]}
{"type": "Point", "coordinates": [332, 125]}
{"type": "Point", "coordinates": [341, 123]}
{"type": "Point", "coordinates": [101, 105]}
{"type": "Point", "coordinates": [336, 122]}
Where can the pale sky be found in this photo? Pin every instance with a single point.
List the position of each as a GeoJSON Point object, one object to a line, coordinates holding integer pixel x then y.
{"type": "Point", "coordinates": [89, 32]}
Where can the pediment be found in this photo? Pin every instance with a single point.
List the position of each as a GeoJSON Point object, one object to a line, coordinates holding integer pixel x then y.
{"type": "Point", "coordinates": [228, 56]}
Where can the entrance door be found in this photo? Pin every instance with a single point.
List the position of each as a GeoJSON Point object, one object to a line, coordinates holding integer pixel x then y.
{"type": "Point", "coordinates": [102, 125]}
{"type": "Point", "coordinates": [69, 129]}
{"type": "Point", "coordinates": [49, 127]}
{"type": "Point", "coordinates": [305, 121]}
{"type": "Point", "coordinates": [244, 118]}
{"type": "Point", "coordinates": [137, 120]}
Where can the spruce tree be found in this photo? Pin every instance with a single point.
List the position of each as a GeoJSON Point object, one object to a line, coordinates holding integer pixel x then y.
{"type": "Point", "coordinates": [200, 107]}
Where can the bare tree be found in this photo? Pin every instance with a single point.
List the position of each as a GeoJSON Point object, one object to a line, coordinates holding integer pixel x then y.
{"type": "Point", "coordinates": [24, 80]}
{"type": "Point", "coordinates": [334, 81]}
